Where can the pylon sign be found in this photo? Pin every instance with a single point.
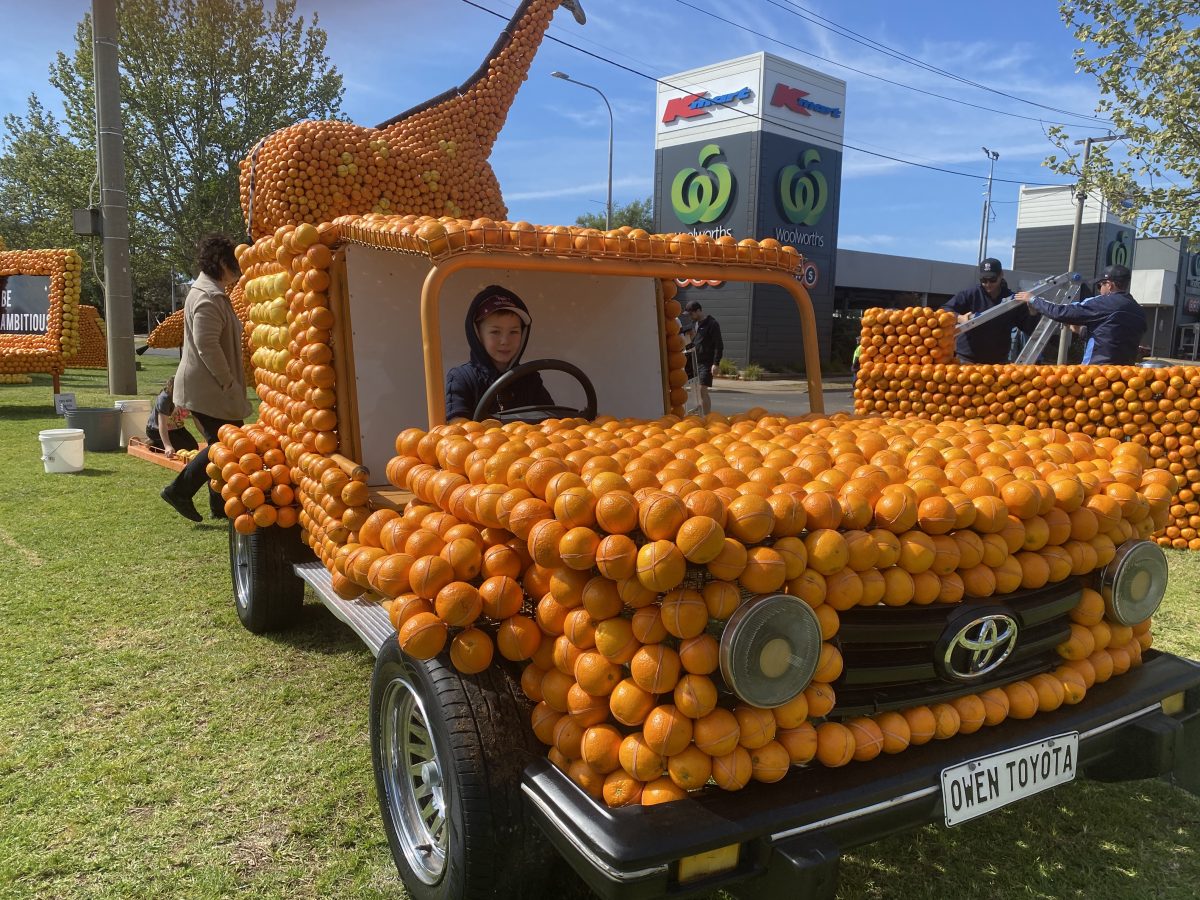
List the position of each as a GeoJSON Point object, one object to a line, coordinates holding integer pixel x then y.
{"type": "Point", "coordinates": [752, 148]}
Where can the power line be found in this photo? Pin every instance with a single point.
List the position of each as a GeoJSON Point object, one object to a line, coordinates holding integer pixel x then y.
{"type": "Point", "coordinates": [841, 144]}
{"type": "Point", "coordinates": [842, 31]}
{"type": "Point", "coordinates": [866, 74]}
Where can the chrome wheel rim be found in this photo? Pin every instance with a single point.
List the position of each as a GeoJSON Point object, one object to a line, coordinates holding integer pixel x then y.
{"type": "Point", "coordinates": [413, 780]}
{"type": "Point", "coordinates": [241, 570]}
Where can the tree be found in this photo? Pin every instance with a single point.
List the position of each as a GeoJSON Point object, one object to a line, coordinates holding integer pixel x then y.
{"type": "Point", "coordinates": [202, 81]}
{"type": "Point", "coordinates": [1144, 59]}
{"type": "Point", "coordinates": [635, 214]}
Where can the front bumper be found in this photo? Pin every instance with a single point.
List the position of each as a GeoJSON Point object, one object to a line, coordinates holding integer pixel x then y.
{"type": "Point", "coordinates": [792, 833]}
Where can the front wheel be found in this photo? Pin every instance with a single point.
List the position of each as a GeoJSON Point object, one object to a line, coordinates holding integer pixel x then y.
{"type": "Point", "coordinates": [266, 589]}
{"type": "Point", "coordinates": [448, 751]}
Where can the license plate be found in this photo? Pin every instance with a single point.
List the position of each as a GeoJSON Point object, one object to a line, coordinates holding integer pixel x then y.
{"type": "Point", "coordinates": [977, 787]}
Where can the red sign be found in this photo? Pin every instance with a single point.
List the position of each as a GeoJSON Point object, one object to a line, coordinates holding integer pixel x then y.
{"type": "Point", "coordinates": [700, 104]}
{"type": "Point", "coordinates": [793, 99]}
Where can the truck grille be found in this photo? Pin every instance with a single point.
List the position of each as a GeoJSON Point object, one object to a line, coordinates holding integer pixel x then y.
{"type": "Point", "coordinates": [900, 657]}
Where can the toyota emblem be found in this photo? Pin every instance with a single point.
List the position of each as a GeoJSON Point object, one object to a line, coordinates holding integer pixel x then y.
{"type": "Point", "coordinates": [980, 646]}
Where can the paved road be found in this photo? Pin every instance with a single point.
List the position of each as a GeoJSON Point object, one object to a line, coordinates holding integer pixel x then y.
{"type": "Point", "coordinates": [788, 398]}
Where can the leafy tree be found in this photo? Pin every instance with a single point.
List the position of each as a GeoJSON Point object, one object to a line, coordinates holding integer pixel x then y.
{"type": "Point", "coordinates": [635, 214]}
{"type": "Point", "coordinates": [201, 81]}
{"type": "Point", "coordinates": [1144, 58]}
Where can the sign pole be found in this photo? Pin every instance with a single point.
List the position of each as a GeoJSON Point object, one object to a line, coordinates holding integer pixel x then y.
{"type": "Point", "coordinates": [118, 295]}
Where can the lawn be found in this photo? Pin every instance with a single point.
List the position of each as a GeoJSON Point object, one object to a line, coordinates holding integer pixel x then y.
{"type": "Point", "coordinates": [150, 747]}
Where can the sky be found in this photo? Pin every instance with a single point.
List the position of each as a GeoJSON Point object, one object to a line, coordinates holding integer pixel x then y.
{"type": "Point", "coordinates": [551, 157]}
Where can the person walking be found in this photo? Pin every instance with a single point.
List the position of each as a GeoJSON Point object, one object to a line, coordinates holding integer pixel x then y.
{"type": "Point", "coordinates": [210, 380]}
{"type": "Point", "coordinates": [709, 349]}
{"type": "Point", "coordinates": [990, 342]}
{"type": "Point", "coordinates": [1114, 321]}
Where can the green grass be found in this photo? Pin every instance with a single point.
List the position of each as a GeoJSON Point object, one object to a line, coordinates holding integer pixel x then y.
{"type": "Point", "coordinates": [150, 747]}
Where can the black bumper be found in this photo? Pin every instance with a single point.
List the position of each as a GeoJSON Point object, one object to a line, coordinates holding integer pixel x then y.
{"type": "Point", "coordinates": [793, 832]}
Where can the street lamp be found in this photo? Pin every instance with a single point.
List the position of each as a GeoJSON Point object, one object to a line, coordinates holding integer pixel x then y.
{"type": "Point", "coordinates": [992, 156]}
{"type": "Point", "coordinates": [608, 206]}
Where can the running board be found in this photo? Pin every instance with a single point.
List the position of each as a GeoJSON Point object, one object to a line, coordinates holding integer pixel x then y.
{"type": "Point", "coordinates": [366, 618]}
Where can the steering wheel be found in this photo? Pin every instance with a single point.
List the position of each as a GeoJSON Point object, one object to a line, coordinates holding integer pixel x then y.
{"type": "Point", "coordinates": [483, 410]}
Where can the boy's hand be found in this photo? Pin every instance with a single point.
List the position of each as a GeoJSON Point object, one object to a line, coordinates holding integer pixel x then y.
{"type": "Point", "coordinates": [714, 369]}
{"type": "Point", "coordinates": [169, 450]}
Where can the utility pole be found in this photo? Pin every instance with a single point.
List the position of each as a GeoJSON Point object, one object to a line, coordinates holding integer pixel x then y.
{"type": "Point", "coordinates": [114, 211]}
{"type": "Point", "coordinates": [1064, 331]}
{"type": "Point", "coordinates": [992, 156]}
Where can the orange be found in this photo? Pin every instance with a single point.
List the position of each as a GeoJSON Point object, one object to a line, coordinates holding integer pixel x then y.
{"type": "Point", "coordinates": [630, 704]}
{"type": "Point", "coordinates": [835, 744]}
{"type": "Point", "coordinates": [732, 771]}
{"type": "Point", "coordinates": [700, 539]}
{"type": "Point", "coordinates": [655, 668]}
{"type": "Point", "coordinates": [757, 726]}
{"type": "Point", "coordinates": [661, 790]}
{"type": "Point", "coordinates": [660, 566]}
{"type": "Point", "coordinates": [730, 562]}
{"type": "Point", "coordinates": [518, 638]}
{"type": "Point", "coordinates": [1022, 699]}
{"type": "Point", "coordinates": [617, 512]}
{"type": "Point", "coordinates": [458, 604]}
{"type": "Point", "coordinates": [695, 695]}
{"type": "Point", "coordinates": [717, 733]}
{"type": "Point", "coordinates": [429, 574]}
{"type": "Point", "coordinates": [661, 515]}
{"type": "Point", "coordinates": [827, 551]}
{"type": "Point", "coordinates": [667, 731]}
{"type": "Point", "coordinates": [471, 651]}
{"type": "Point", "coordinates": [750, 518]}
{"type": "Point", "coordinates": [868, 738]}
{"type": "Point", "coordinates": [922, 725]}
{"type": "Point", "coordinates": [690, 769]}
{"type": "Point", "coordinates": [423, 636]}
{"type": "Point", "coordinates": [896, 734]}
{"type": "Point", "coordinates": [770, 762]}
{"type": "Point", "coordinates": [616, 557]}
{"type": "Point", "coordinates": [621, 789]}
{"type": "Point", "coordinates": [699, 655]}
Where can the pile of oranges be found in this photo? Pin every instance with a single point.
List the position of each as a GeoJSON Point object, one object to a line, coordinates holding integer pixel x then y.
{"type": "Point", "coordinates": [250, 472]}
{"type": "Point", "coordinates": [604, 555]}
{"type": "Point", "coordinates": [284, 295]}
{"type": "Point", "coordinates": [21, 354]}
{"type": "Point", "coordinates": [93, 341]}
{"type": "Point", "coordinates": [1155, 409]}
{"type": "Point", "coordinates": [915, 336]}
{"type": "Point", "coordinates": [440, 236]}
{"type": "Point", "coordinates": [433, 162]}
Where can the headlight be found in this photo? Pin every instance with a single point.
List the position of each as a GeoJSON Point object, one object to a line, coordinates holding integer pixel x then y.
{"type": "Point", "coordinates": [770, 648]}
{"type": "Point", "coordinates": [1134, 582]}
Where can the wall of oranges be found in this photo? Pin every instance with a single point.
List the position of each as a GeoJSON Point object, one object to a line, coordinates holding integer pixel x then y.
{"type": "Point", "coordinates": [605, 555]}
{"type": "Point", "coordinates": [93, 341]}
{"type": "Point", "coordinates": [22, 354]}
{"type": "Point", "coordinates": [1156, 409]}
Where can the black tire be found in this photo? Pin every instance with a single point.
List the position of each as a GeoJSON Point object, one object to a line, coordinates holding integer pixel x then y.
{"type": "Point", "coordinates": [267, 592]}
{"type": "Point", "coordinates": [476, 743]}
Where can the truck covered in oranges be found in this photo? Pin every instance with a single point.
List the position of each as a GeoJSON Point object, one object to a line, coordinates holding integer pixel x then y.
{"type": "Point", "coordinates": [680, 654]}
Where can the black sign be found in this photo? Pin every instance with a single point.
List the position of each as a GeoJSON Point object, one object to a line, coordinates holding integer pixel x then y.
{"type": "Point", "coordinates": [24, 304]}
{"type": "Point", "coordinates": [1191, 305]}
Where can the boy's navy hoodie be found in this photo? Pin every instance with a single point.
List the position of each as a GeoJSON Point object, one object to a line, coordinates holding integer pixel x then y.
{"type": "Point", "coordinates": [465, 384]}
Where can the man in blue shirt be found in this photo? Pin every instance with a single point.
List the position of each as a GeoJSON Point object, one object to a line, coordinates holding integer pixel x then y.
{"type": "Point", "coordinates": [990, 342]}
{"type": "Point", "coordinates": [1115, 322]}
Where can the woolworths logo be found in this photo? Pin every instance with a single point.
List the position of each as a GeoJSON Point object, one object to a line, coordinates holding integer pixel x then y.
{"type": "Point", "coordinates": [1117, 253]}
{"type": "Point", "coordinates": [701, 195]}
{"type": "Point", "coordinates": [803, 190]}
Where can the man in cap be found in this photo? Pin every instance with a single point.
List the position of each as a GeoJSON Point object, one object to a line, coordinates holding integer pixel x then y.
{"type": "Point", "coordinates": [1115, 322]}
{"type": "Point", "coordinates": [990, 342]}
{"type": "Point", "coordinates": [710, 348]}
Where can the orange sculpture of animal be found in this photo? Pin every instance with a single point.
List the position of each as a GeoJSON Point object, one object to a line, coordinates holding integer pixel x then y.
{"type": "Point", "coordinates": [430, 160]}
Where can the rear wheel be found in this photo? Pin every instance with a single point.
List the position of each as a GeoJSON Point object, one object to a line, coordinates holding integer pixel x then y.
{"type": "Point", "coordinates": [448, 752]}
{"type": "Point", "coordinates": [266, 589]}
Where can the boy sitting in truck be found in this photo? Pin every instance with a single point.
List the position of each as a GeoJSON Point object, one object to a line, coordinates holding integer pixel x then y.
{"type": "Point", "coordinates": [497, 326]}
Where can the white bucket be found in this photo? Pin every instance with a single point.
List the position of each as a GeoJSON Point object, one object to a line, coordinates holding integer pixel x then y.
{"type": "Point", "coordinates": [134, 414]}
{"type": "Point", "coordinates": [62, 449]}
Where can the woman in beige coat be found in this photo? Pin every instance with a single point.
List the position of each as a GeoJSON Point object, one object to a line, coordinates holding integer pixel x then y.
{"type": "Point", "coordinates": [210, 381]}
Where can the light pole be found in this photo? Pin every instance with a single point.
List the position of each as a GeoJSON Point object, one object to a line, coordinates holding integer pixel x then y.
{"type": "Point", "coordinates": [992, 156]}
{"type": "Point", "coordinates": [608, 206]}
{"type": "Point", "coordinates": [1064, 331]}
